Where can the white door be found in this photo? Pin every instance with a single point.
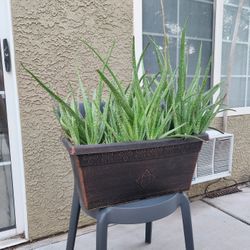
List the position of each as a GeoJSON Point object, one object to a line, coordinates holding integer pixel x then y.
{"type": "Point", "coordinates": [12, 192]}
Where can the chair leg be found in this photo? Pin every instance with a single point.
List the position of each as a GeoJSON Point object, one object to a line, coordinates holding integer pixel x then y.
{"type": "Point", "coordinates": [101, 233]}
{"type": "Point", "coordinates": [74, 217]}
{"type": "Point", "coordinates": [148, 232]}
{"type": "Point", "coordinates": [187, 222]}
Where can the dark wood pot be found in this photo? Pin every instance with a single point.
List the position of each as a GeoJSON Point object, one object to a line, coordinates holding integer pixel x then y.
{"type": "Point", "coordinates": [107, 174]}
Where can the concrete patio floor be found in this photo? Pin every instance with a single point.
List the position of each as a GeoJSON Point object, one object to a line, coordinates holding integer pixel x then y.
{"type": "Point", "coordinates": [221, 223]}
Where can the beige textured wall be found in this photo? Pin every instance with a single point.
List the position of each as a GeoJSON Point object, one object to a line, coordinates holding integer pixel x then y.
{"type": "Point", "coordinates": [46, 40]}
{"type": "Point", "coordinates": [46, 34]}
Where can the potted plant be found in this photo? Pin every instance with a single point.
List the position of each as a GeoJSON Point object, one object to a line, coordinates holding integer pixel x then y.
{"type": "Point", "coordinates": [143, 139]}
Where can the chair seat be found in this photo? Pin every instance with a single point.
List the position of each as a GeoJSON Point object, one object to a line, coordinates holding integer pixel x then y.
{"type": "Point", "coordinates": [148, 202]}
{"type": "Point", "coordinates": [139, 211]}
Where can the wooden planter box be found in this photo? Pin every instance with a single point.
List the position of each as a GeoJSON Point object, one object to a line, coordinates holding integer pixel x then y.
{"type": "Point", "coordinates": [107, 174]}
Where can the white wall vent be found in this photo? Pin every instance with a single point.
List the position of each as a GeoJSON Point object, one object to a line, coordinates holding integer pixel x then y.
{"type": "Point", "coordinates": [215, 157]}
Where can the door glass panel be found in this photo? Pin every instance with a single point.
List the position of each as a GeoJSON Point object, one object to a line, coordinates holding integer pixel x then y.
{"type": "Point", "coordinates": [4, 141]}
{"type": "Point", "coordinates": [7, 215]}
{"type": "Point", "coordinates": [1, 74]}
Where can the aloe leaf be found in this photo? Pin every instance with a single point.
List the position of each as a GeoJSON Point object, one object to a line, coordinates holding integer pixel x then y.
{"type": "Point", "coordinates": [182, 67]}
{"type": "Point", "coordinates": [161, 61]}
{"type": "Point", "coordinates": [104, 62]}
{"type": "Point", "coordinates": [140, 61]}
{"type": "Point", "coordinates": [168, 133]}
{"type": "Point", "coordinates": [119, 98]}
{"type": "Point", "coordinates": [136, 81]}
{"type": "Point", "coordinates": [186, 136]}
{"type": "Point", "coordinates": [100, 85]}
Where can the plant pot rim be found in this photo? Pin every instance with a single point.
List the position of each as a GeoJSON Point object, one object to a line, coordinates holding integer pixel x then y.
{"type": "Point", "coordinates": [123, 146]}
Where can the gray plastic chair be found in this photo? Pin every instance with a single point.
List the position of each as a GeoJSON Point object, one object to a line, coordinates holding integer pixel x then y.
{"type": "Point", "coordinates": [142, 211]}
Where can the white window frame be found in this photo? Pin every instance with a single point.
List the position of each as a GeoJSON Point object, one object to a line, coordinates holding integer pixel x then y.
{"type": "Point", "coordinates": [14, 128]}
{"type": "Point", "coordinates": [217, 45]}
{"type": "Point", "coordinates": [137, 25]}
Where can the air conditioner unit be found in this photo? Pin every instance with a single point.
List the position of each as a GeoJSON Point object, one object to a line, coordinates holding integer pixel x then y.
{"type": "Point", "coordinates": [215, 157]}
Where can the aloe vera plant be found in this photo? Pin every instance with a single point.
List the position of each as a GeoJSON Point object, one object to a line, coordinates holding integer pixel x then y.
{"type": "Point", "coordinates": [138, 111]}
{"type": "Point", "coordinates": [193, 107]}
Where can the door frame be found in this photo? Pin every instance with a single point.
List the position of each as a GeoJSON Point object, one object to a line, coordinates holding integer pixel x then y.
{"type": "Point", "coordinates": [14, 128]}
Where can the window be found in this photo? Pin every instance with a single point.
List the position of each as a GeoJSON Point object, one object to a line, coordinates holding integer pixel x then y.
{"type": "Point", "coordinates": [239, 91]}
{"type": "Point", "coordinates": [210, 23]}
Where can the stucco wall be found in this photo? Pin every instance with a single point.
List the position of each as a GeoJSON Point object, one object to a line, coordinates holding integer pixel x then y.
{"type": "Point", "coordinates": [46, 37]}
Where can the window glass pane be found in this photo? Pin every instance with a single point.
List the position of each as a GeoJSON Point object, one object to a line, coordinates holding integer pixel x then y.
{"type": "Point", "coordinates": [229, 19]}
{"type": "Point", "coordinates": [239, 65]}
{"type": "Point", "coordinates": [150, 63]}
{"type": "Point", "coordinates": [189, 80]}
{"type": "Point", "coordinates": [193, 47]}
{"type": "Point", "coordinates": [248, 92]}
{"type": "Point", "coordinates": [199, 18]}
{"type": "Point", "coordinates": [237, 91]}
{"type": "Point", "coordinates": [152, 15]}
{"type": "Point", "coordinates": [248, 70]}
{"type": "Point", "coordinates": [246, 2]}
